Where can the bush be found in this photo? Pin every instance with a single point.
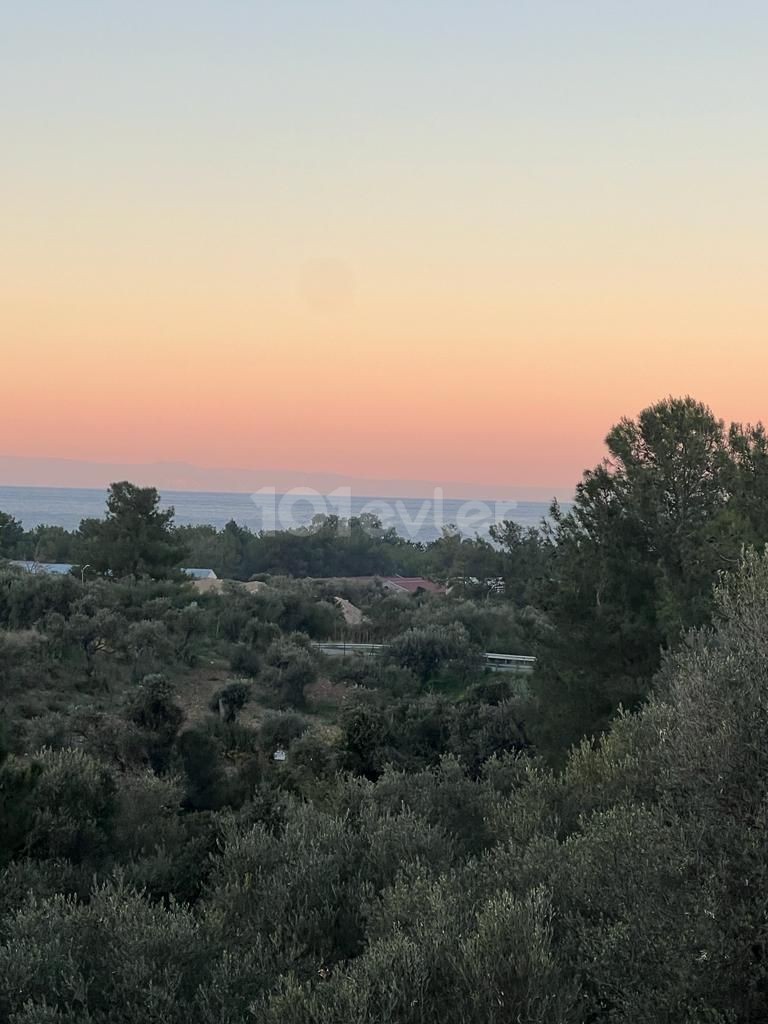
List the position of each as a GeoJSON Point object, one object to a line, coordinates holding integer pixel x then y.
{"type": "Point", "coordinates": [425, 650]}
{"type": "Point", "coordinates": [291, 668]}
{"type": "Point", "coordinates": [245, 660]}
{"type": "Point", "coordinates": [116, 959]}
{"type": "Point", "coordinates": [154, 711]}
{"type": "Point", "coordinates": [60, 803]}
{"type": "Point", "coordinates": [279, 729]}
{"type": "Point", "coordinates": [207, 786]}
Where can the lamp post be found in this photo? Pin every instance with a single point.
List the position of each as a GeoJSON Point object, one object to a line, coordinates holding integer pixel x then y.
{"type": "Point", "coordinates": [82, 572]}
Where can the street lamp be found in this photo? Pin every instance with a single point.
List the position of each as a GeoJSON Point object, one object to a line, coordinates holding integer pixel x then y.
{"type": "Point", "coordinates": [82, 572]}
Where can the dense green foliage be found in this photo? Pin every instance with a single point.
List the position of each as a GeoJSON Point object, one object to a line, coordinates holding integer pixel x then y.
{"type": "Point", "coordinates": [204, 818]}
{"type": "Point", "coordinates": [624, 888]}
{"type": "Point", "coordinates": [634, 562]}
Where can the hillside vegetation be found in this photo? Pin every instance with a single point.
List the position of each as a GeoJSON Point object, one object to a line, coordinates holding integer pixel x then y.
{"type": "Point", "coordinates": [204, 818]}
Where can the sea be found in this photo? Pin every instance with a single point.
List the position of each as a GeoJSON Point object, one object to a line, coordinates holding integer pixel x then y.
{"type": "Point", "coordinates": [417, 519]}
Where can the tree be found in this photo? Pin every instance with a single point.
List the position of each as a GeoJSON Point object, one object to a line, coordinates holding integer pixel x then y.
{"type": "Point", "coordinates": [671, 467]}
{"type": "Point", "coordinates": [56, 804]}
{"type": "Point", "coordinates": [11, 535]}
{"type": "Point", "coordinates": [279, 729]}
{"type": "Point", "coordinates": [137, 537]}
{"type": "Point", "coordinates": [525, 557]}
{"type": "Point", "coordinates": [290, 668]}
{"type": "Point", "coordinates": [50, 544]}
{"type": "Point", "coordinates": [230, 700]}
{"type": "Point", "coordinates": [146, 646]}
{"type": "Point", "coordinates": [426, 649]}
{"type": "Point", "coordinates": [154, 710]}
{"type": "Point", "coordinates": [206, 781]}
{"type": "Point", "coordinates": [365, 729]}
{"type": "Point", "coordinates": [117, 958]}
{"type": "Point", "coordinates": [633, 563]}
{"type": "Point", "coordinates": [748, 480]}
{"type": "Point", "coordinates": [94, 635]}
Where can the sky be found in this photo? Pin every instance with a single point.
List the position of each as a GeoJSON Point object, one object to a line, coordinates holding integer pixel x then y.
{"type": "Point", "coordinates": [392, 240]}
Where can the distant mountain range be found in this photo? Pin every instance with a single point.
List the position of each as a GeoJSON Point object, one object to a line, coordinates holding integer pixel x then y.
{"type": "Point", "coordinates": [181, 476]}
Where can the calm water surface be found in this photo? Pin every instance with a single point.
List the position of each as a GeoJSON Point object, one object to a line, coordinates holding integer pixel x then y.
{"type": "Point", "coordinates": [415, 518]}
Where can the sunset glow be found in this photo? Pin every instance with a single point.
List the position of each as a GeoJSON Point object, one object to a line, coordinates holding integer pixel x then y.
{"type": "Point", "coordinates": [304, 236]}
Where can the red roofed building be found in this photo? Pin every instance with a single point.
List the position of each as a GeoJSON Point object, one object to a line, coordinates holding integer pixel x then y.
{"type": "Point", "coordinates": [411, 585]}
{"type": "Point", "coordinates": [396, 584]}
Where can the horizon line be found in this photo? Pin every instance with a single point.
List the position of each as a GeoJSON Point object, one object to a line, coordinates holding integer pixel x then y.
{"type": "Point", "coordinates": [177, 476]}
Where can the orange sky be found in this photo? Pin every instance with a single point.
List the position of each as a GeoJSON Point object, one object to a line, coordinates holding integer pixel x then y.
{"type": "Point", "coordinates": [414, 254]}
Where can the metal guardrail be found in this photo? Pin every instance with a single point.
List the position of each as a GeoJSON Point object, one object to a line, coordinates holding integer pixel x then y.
{"type": "Point", "coordinates": [342, 647]}
{"type": "Point", "coordinates": [495, 661]}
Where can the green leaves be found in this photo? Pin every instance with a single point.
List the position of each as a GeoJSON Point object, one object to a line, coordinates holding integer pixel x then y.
{"type": "Point", "coordinates": [635, 560]}
{"type": "Point", "coordinates": [425, 650]}
{"type": "Point", "coordinates": [135, 539]}
{"type": "Point", "coordinates": [11, 535]}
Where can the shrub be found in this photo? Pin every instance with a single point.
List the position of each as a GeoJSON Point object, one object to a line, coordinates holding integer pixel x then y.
{"type": "Point", "coordinates": [427, 649]}
{"type": "Point", "coordinates": [229, 701]}
{"type": "Point", "coordinates": [279, 729]}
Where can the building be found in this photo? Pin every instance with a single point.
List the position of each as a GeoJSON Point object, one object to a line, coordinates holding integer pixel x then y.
{"type": "Point", "coordinates": [396, 584]}
{"type": "Point", "coordinates": [411, 585]}
{"type": "Point", "coordinates": [200, 574]}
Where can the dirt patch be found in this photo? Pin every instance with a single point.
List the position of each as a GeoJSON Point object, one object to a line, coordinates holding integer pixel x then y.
{"type": "Point", "coordinates": [196, 689]}
{"type": "Point", "coordinates": [255, 586]}
{"type": "Point", "coordinates": [325, 692]}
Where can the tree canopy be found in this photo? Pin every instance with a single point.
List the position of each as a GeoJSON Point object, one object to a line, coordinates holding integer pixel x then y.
{"type": "Point", "coordinates": [136, 537]}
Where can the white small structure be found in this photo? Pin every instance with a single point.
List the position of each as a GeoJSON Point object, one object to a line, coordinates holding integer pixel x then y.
{"type": "Point", "coordinates": [200, 574]}
{"type": "Point", "coordinates": [279, 755]}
